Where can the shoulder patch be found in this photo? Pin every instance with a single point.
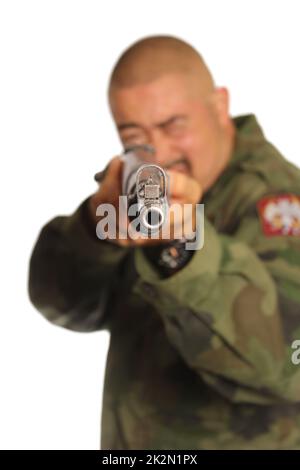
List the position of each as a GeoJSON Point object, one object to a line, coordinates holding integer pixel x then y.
{"type": "Point", "coordinates": [280, 215]}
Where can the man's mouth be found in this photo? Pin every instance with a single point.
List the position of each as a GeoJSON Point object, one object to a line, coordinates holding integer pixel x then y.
{"type": "Point", "coordinates": [180, 165]}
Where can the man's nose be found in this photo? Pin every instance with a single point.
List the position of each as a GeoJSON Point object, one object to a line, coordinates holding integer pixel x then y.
{"type": "Point", "coordinates": [165, 150]}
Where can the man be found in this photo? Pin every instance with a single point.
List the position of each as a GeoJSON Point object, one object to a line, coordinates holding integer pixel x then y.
{"type": "Point", "coordinates": [200, 355]}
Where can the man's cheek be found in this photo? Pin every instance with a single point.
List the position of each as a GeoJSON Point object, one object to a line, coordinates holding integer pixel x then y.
{"type": "Point", "coordinates": [192, 151]}
{"type": "Point", "coordinates": [187, 142]}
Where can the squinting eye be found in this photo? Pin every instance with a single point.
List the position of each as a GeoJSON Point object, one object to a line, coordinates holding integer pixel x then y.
{"type": "Point", "coordinates": [176, 127]}
{"type": "Point", "coordinates": [131, 140]}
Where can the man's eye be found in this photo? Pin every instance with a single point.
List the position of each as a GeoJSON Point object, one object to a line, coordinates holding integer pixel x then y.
{"type": "Point", "coordinates": [176, 127]}
{"type": "Point", "coordinates": [133, 139]}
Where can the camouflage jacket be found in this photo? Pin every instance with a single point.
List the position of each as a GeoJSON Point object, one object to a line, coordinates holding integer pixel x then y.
{"type": "Point", "coordinates": [200, 359]}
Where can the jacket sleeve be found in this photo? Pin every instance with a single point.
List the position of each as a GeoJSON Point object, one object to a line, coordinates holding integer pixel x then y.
{"type": "Point", "coordinates": [72, 273]}
{"type": "Point", "coordinates": [233, 311]}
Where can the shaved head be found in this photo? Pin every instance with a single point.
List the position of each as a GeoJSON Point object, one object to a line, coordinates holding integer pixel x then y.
{"type": "Point", "coordinates": [152, 57]}
{"type": "Point", "coordinates": [162, 93]}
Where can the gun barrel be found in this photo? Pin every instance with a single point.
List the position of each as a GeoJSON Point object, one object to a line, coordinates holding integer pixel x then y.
{"type": "Point", "coordinates": [146, 187]}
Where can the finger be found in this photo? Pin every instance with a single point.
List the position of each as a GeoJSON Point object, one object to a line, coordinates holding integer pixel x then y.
{"type": "Point", "coordinates": [183, 187]}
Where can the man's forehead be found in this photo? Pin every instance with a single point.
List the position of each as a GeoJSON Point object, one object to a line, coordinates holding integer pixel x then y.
{"type": "Point", "coordinates": [157, 100]}
{"type": "Point", "coordinates": [168, 85]}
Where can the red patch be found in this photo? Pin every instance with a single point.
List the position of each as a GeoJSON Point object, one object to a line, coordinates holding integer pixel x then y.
{"type": "Point", "coordinates": [280, 215]}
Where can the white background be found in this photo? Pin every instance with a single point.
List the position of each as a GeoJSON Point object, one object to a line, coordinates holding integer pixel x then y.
{"type": "Point", "coordinates": [56, 132]}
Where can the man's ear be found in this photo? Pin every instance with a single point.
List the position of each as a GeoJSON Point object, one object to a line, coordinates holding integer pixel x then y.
{"type": "Point", "coordinates": [221, 105]}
